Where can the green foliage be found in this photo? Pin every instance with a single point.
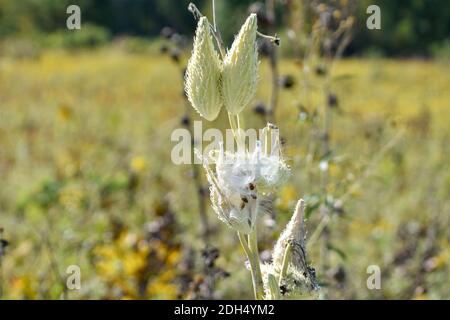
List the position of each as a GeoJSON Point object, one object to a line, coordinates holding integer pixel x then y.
{"type": "Point", "coordinates": [137, 17]}
{"type": "Point", "coordinates": [89, 36]}
{"type": "Point", "coordinates": [20, 48]}
{"type": "Point", "coordinates": [441, 51]}
{"type": "Point", "coordinates": [408, 27]}
{"type": "Point", "coordinates": [34, 16]}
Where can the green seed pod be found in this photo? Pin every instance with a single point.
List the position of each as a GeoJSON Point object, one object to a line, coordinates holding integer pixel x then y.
{"type": "Point", "coordinates": [203, 72]}
{"type": "Point", "coordinates": [240, 69]}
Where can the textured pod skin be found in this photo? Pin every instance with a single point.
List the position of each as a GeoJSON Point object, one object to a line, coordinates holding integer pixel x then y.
{"type": "Point", "coordinates": [292, 232]}
{"type": "Point", "coordinates": [240, 68]}
{"type": "Point", "coordinates": [203, 74]}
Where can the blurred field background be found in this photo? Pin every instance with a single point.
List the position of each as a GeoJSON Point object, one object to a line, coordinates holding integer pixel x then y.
{"type": "Point", "coordinates": [86, 177]}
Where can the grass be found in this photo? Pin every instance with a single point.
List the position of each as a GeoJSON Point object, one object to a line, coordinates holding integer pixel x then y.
{"type": "Point", "coordinates": [86, 173]}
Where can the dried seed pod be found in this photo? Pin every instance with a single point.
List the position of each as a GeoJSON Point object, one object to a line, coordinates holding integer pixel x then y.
{"type": "Point", "coordinates": [167, 32]}
{"type": "Point", "coordinates": [260, 109]}
{"type": "Point", "coordinates": [175, 55]}
{"type": "Point", "coordinates": [185, 121]}
{"type": "Point", "coordinates": [240, 68]}
{"type": "Point", "coordinates": [164, 49]}
{"type": "Point", "coordinates": [286, 81]}
{"type": "Point", "coordinates": [320, 70]}
{"type": "Point", "coordinates": [332, 100]}
{"type": "Point", "coordinates": [203, 74]}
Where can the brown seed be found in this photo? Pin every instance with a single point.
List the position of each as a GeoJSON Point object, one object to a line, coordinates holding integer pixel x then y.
{"type": "Point", "coordinates": [253, 196]}
{"type": "Point", "coordinates": [242, 205]}
{"type": "Point", "coordinates": [251, 186]}
{"type": "Point", "coordinates": [244, 199]}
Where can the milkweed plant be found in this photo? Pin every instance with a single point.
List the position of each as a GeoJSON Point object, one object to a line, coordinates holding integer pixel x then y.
{"type": "Point", "coordinates": [242, 181]}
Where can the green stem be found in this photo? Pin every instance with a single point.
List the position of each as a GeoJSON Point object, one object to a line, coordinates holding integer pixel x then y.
{"type": "Point", "coordinates": [253, 242]}
{"type": "Point", "coordinates": [214, 15]}
{"type": "Point", "coordinates": [232, 124]}
{"type": "Point", "coordinates": [236, 129]}
{"type": "Point", "coordinates": [253, 271]}
{"type": "Point", "coordinates": [241, 138]}
{"type": "Point", "coordinates": [284, 266]}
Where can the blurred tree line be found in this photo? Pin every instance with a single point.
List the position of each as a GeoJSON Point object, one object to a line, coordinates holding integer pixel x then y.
{"type": "Point", "coordinates": [409, 27]}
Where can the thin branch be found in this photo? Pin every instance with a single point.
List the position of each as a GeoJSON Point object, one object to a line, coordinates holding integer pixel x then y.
{"type": "Point", "coordinates": [197, 15]}
{"type": "Point", "coordinates": [274, 39]}
{"type": "Point", "coordinates": [275, 89]}
{"type": "Point", "coordinates": [214, 15]}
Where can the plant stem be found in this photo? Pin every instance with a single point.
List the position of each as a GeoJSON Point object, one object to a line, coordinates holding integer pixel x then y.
{"type": "Point", "coordinates": [214, 15]}
{"type": "Point", "coordinates": [273, 64]}
{"type": "Point", "coordinates": [236, 129]}
{"type": "Point", "coordinates": [284, 266]}
{"type": "Point", "coordinates": [197, 14]}
{"type": "Point", "coordinates": [253, 242]}
{"type": "Point", "coordinates": [232, 125]}
{"type": "Point", "coordinates": [241, 138]}
{"type": "Point", "coordinates": [248, 253]}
